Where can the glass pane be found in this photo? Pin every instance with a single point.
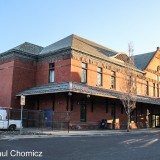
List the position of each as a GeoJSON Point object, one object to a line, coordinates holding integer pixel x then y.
{"type": "Point", "coordinates": [84, 76]}
{"type": "Point", "coordinates": [99, 79]}
{"type": "Point", "coordinates": [157, 121]}
{"type": "Point", "coordinates": [112, 73]}
{"type": "Point", "coordinates": [51, 76]}
{"type": "Point", "coordinates": [84, 65]}
{"type": "Point", "coordinates": [99, 69]}
{"type": "Point", "coordinates": [153, 121]}
{"type": "Point", "coordinates": [112, 82]}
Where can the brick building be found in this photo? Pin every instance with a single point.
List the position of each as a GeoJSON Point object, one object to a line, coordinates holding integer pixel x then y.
{"type": "Point", "coordinates": [80, 76]}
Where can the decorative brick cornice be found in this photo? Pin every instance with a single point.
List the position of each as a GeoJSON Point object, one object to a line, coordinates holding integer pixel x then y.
{"type": "Point", "coordinates": [104, 63]}
{"type": "Point", "coordinates": [55, 56]}
{"type": "Point", "coordinates": [50, 57]}
{"type": "Point", "coordinates": [66, 53]}
{"type": "Point", "coordinates": [16, 55]}
{"type": "Point", "coordinates": [152, 71]}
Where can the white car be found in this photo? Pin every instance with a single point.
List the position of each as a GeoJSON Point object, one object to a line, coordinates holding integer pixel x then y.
{"type": "Point", "coordinates": [8, 123]}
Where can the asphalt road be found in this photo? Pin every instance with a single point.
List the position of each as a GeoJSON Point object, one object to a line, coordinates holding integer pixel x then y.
{"type": "Point", "coordinates": [111, 147]}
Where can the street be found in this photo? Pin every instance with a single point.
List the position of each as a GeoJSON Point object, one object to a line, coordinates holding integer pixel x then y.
{"type": "Point", "coordinates": [111, 147]}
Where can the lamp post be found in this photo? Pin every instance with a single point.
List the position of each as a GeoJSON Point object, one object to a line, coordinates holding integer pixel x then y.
{"type": "Point", "coordinates": [88, 95]}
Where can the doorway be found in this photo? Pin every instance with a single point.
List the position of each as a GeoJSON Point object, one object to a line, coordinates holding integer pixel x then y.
{"type": "Point", "coordinates": [155, 121]}
{"type": "Point", "coordinates": [83, 113]}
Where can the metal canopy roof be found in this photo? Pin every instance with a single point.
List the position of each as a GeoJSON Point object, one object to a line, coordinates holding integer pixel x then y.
{"type": "Point", "coordinates": [66, 87]}
{"type": "Point", "coordinates": [84, 89]}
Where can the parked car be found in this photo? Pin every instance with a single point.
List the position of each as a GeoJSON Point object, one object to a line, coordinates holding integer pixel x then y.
{"type": "Point", "coordinates": [6, 123]}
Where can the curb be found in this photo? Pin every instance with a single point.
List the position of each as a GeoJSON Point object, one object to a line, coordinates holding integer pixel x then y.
{"type": "Point", "coordinates": [74, 134]}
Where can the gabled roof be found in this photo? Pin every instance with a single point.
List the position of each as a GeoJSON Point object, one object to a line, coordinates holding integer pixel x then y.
{"type": "Point", "coordinates": [81, 44]}
{"type": "Point", "coordinates": [91, 47]}
{"type": "Point", "coordinates": [29, 48]}
{"type": "Point", "coordinates": [62, 44]}
{"type": "Point", "coordinates": [142, 60]}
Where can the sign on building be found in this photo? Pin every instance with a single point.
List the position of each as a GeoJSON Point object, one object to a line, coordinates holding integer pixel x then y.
{"type": "Point", "coordinates": [22, 100]}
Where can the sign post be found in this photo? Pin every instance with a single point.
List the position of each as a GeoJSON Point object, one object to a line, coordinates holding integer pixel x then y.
{"type": "Point", "coordinates": [22, 102]}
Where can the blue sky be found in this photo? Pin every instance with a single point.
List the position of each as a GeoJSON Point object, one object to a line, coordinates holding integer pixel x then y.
{"type": "Point", "coordinates": [112, 23]}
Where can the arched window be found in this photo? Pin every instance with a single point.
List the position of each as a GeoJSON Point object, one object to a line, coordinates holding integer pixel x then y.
{"type": "Point", "coordinates": [158, 69]}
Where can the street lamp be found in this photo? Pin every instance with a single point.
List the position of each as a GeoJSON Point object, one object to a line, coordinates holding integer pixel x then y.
{"type": "Point", "coordinates": [69, 93]}
{"type": "Point", "coordinates": [88, 95]}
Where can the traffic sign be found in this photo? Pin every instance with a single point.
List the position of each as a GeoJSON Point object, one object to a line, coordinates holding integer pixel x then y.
{"type": "Point", "coordinates": [22, 100]}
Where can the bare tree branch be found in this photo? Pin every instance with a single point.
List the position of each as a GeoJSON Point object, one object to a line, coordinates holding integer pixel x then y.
{"type": "Point", "coordinates": [129, 97]}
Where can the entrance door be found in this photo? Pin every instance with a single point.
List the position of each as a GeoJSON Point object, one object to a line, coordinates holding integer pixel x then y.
{"type": "Point", "coordinates": [83, 113]}
{"type": "Point", "coordinates": [155, 120]}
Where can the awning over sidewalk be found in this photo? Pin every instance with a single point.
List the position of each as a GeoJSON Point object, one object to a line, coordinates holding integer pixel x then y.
{"type": "Point", "coordinates": [66, 87]}
{"type": "Point", "coordinates": [84, 89]}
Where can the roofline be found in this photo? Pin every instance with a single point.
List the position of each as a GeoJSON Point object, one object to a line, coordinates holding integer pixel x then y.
{"type": "Point", "coordinates": [110, 60]}
{"type": "Point", "coordinates": [51, 52]}
{"type": "Point", "coordinates": [110, 50]}
{"type": "Point", "coordinates": [40, 56]}
{"type": "Point", "coordinates": [13, 51]}
{"type": "Point", "coordinates": [150, 60]}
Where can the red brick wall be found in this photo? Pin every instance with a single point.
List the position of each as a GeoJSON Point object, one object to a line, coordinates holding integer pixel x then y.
{"type": "Point", "coordinates": [76, 73]}
{"type": "Point", "coordinates": [62, 72]}
{"type": "Point", "coordinates": [99, 109]}
{"type": "Point", "coordinates": [50, 101]}
{"type": "Point", "coordinates": [76, 70]}
{"type": "Point", "coordinates": [59, 104]}
{"type": "Point", "coordinates": [46, 101]}
{"type": "Point", "coordinates": [23, 78]}
{"type": "Point", "coordinates": [6, 73]}
{"type": "Point", "coordinates": [42, 73]}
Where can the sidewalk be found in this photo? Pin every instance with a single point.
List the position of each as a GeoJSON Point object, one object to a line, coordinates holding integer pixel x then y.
{"type": "Point", "coordinates": [98, 132]}
{"type": "Point", "coordinates": [87, 132]}
{"type": "Point", "coordinates": [37, 133]}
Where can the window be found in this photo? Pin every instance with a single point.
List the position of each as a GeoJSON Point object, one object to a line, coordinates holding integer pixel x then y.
{"type": "Point", "coordinates": [158, 78]}
{"type": "Point", "coordinates": [147, 88]}
{"type": "Point", "coordinates": [157, 90]}
{"type": "Point", "coordinates": [113, 80]}
{"type": "Point", "coordinates": [158, 75]}
{"type": "Point", "coordinates": [84, 73]}
{"type": "Point", "coordinates": [51, 72]}
{"type": "Point", "coordinates": [99, 76]}
{"type": "Point", "coordinates": [154, 89]}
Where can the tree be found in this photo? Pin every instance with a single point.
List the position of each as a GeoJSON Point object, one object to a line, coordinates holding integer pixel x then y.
{"type": "Point", "coordinates": [128, 98]}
